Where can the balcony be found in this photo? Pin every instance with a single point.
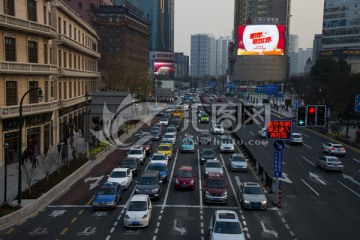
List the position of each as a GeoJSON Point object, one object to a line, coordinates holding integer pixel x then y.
{"type": "Point", "coordinates": [69, 102]}
{"type": "Point", "coordinates": [29, 109]}
{"type": "Point", "coordinates": [62, 39]}
{"type": "Point", "coordinates": [27, 26]}
{"type": "Point", "coordinates": [63, 72]}
{"type": "Point", "coordinates": [27, 68]}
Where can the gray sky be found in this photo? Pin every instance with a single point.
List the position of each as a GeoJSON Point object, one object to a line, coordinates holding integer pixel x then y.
{"type": "Point", "coordinates": [217, 17]}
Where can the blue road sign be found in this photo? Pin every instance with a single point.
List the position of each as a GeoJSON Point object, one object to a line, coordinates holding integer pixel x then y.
{"type": "Point", "coordinates": [278, 164]}
{"type": "Point", "coordinates": [357, 103]}
{"type": "Point", "coordinates": [279, 145]}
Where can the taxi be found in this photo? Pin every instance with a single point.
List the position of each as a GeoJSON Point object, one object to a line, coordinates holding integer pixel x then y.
{"type": "Point", "coordinates": [166, 149]}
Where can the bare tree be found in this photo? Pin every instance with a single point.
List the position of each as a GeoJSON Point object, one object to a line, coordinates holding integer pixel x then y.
{"type": "Point", "coordinates": [28, 172]}
{"type": "Point", "coordinates": [48, 162]}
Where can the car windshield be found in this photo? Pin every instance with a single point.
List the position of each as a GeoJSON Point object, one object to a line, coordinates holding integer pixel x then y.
{"type": "Point", "coordinates": [118, 174]}
{"type": "Point", "coordinates": [164, 120]}
{"type": "Point", "coordinates": [137, 206]}
{"type": "Point", "coordinates": [164, 148]}
{"type": "Point", "coordinates": [147, 142]}
{"type": "Point", "coordinates": [184, 174]}
{"type": "Point", "coordinates": [253, 190]}
{"type": "Point", "coordinates": [227, 227]}
{"type": "Point", "coordinates": [129, 162]}
{"type": "Point", "coordinates": [188, 141]}
{"type": "Point", "coordinates": [333, 160]}
{"type": "Point", "coordinates": [227, 141]}
{"type": "Point", "coordinates": [106, 191]}
{"type": "Point", "coordinates": [158, 157]}
{"type": "Point", "coordinates": [175, 122]}
{"type": "Point", "coordinates": [168, 136]}
{"type": "Point", "coordinates": [213, 165]}
{"type": "Point", "coordinates": [154, 131]}
{"type": "Point", "coordinates": [135, 152]}
{"type": "Point", "coordinates": [337, 146]}
{"type": "Point", "coordinates": [205, 135]}
{"type": "Point", "coordinates": [215, 183]}
{"type": "Point", "coordinates": [171, 129]}
{"type": "Point", "coordinates": [238, 159]}
{"type": "Point", "coordinates": [159, 167]}
{"type": "Point", "coordinates": [208, 152]}
{"type": "Point", "coordinates": [217, 126]}
{"type": "Point", "coordinates": [148, 181]}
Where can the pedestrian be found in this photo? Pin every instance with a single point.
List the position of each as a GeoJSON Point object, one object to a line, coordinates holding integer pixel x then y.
{"type": "Point", "coordinates": [59, 148]}
{"type": "Point", "coordinates": [34, 161]}
{"type": "Point", "coordinates": [25, 155]}
{"type": "Point", "coordinates": [46, 149]}
{"type": "Point", "coordinates": [63, 156]}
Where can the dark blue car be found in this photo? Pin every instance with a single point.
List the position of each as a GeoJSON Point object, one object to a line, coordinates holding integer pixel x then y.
{"type": "Point", "coordinates": [107, 196]}
{"type": "Point", "coordinates": [163, 170]}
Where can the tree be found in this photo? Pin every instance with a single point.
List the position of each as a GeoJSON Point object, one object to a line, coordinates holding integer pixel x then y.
{"type": "Point", "coordinates": [46, 163]}
{"type": "Point", "coordinates": [28, 172]}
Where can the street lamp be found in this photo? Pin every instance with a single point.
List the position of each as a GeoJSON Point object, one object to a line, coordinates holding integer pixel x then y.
{"type": "Point", "coordinates": [6, 145]}
{"type": "Point", "coordinates": [40, 97]}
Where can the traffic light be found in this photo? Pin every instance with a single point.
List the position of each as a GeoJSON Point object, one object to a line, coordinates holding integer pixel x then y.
{"type": "Point", "coordinates": [311, 112]}
{"type": "Point", "coordinates": [247, 112]}
{"type": "Point", "coordinates": [301, 120]}
{"type": "Point", "coordinates": [320, 115]}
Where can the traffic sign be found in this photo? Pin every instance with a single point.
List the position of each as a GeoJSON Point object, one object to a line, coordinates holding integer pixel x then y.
{"type": "Point", "coordinates": [279, 130]}
{"type": "Point", "coordinates": [357, 103]}
{"type": "Point", "coordinates": [278, 164]}
{"type": "Point", "coordinates": [279, 145]}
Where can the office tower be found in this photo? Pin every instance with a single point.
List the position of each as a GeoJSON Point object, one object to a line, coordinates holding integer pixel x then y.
{"type": "Point", "coordinates": [202, 55]}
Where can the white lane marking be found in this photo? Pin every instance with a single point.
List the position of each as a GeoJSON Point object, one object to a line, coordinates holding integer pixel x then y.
{"type": "Point", "coordinates": [285, 178]}
{"type": "Point", "coordinates": [199, 177]}
{"type": "Point", "coordinates": [305, 135]}
{"type": "Point", "coordinates": [252, 133]}
{"type": "Point", "coordinates": [267, 230]}
{"type": "Point", "coordinates": [310, 187]}
{"type": "Point", "coordinates": [308, 160]}
{"type": "Point", "coordinates": [307, 146]}
{"type": "Point", "coordinates": [351, 179]}
{"type": "Point", "coordinates": [356, 160]}
{"type": "Point", "coordinates": [237, 179]}
{"type": "Point", "coordinates": [287, 146]}
{"type": "Point", "coordinates": [317, 178]}
{"type": "Point", "coordinates": [229, 180]}
{"type": "Point", "coordinates": [349, 189]}
{"type": "Point", "coordinates": [171, 177]}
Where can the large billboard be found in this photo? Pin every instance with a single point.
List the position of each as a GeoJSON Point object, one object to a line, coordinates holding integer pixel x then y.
{"type": "Point", "coordinates": [162, 63]}
{"type": "Point", "coordinates": [164, 68]}
{"type": "Point", "coordinates": [261, 40]}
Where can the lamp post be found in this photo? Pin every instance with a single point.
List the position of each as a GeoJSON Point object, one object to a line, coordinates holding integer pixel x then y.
{"type": "Point", "coordinates": [40, 97]}
{"type": "Point", "coordinates": [6, 145]}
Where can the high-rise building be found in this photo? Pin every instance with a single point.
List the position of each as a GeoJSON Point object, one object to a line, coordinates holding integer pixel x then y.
{"type": "Point", "coordinates": [304, 55]}
{"type": "Point", "coordinates": [293, 54]}
{"type": "Point", "coordinates": [202, 54]}
{"type": "Point", "coordinates": [260, 50]}
{"type": "Point", "coordinates": [341, 35]}
{"type": "Point", "coordinates": [57, 52]}
{"type": "Point", "coordinates": [317, 47]}
{"type": "Point", "coordinates": [221, 55]}
{"type": "Point", "coordinates": [293, 43]}
{"type": "Point", "coordinates": [161, 15]}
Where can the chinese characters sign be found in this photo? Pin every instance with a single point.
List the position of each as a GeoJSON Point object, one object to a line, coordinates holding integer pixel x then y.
{"type": "Point", "coordinates": [278, 164]}
{"type": "Point", "coordinates": [279, 130]}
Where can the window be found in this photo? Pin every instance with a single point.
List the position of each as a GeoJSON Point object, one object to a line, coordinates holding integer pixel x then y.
{"type": "Point", "coordinates": [74, 61]}
{"type": "Point", "coordinates": [70, 30]}
{"type": "Point", "coordinates": [64, 28]}
{"type": "Point", "coordinates": [59, 54]}
{"type": "Point", "coordinates": [65, 59]}
{"type": "Point", "coordinates": [59, 25]}
{"type": "Point", "coordinates": [9, 7]}
{"type": "Point", "coordinates": [52, 89]}
{"type": "Point", "coordinates": [46, 60]}
{"type": "Point", "coordinates": [70, 89]}
{"type": "Point", "coordinates": [45, 15]}
{"type": "Point", "coordinates": [65, 96]}
{"type": "Point", "coordinates": [70, 60]}
{"type": "Point", "coordinates": [31, 10]}
{"type": "Point", "coordinates": [60, 92]}
{"type": "Point", "coordinates": [10, 49]}
{"type": "Point", "coordinates": [80, 5]}
{"type": "Point", "coordinates": [49, 18]}
{"type": "Point", "coordinates": [75, 33]}
{"type": "Point", "coordinates": [78, 87]}
{"type": "Point", "coordinates": [46, 91]}
{"type": "Point", "coordinates": [11, 93]}
{"type": "Point", "coordinates": [32, 51]}
{"type": "Point", "coordinates": [33, 94]}
{"type": "Point", "coordinates": [51, 55]}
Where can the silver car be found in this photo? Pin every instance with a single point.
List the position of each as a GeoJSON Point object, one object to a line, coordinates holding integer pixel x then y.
{"type": "Point", "coordinates": [252, 196]}
{"type": "Point", "coordinates": [329, 163]}
{"type": "Point", "coordinates": [296, 138]}
{"type": "Point", "coordinates": [226, 144]}
{"type": "Point", "coordinates": [213, 166]}
{"type": "Point", "coordinates": [238, 162]}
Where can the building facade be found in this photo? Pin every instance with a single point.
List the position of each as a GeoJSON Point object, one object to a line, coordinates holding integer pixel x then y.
{"type": "Point", "coordinates": [254, 69]}
{"type": "Point", "coordinates": [221, 55]}
{"type": "Point", "coordinates": [202, 55]}
{"type": "Point", "coordinates": [317, 47]}
{"type": "Point", "coordinates": [47, 46]}
{"type": "Point", "coordinates": [303, 57]}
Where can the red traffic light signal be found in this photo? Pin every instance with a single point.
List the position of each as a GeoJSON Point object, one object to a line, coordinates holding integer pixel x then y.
{"type": "Point", "coordinates": [311, 110]}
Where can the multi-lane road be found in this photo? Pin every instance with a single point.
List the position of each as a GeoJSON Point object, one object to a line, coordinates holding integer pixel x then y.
{"type": "Point", "coordinates": [316, 204]}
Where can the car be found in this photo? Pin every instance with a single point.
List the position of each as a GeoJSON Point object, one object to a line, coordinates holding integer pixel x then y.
{"type": "Point", "coordinates": [334, 149]}
{"type": "Point", "coordinates": [171, 129]}
{"type": "Point", "coordinates": [175, 123]}
{"type": "Point", "coordinates": [107, 196]}
{"type": "Point", "coordinates": [162, 168]}
{"type": "Point", "coordinates": [205, 138]}
{"type": "Point", "coordinates": [217, 129]}
{"type": "Point", "coordinates": [131, 163]}
{"type": "Point", "coordinates": [149, 183]}
{"type": "Point", "coordinates": [226, 144]}
{"type": "Point", "coordinates": [186, 107]}
{"type": "Point", "coordinates": [262, 133]}
{"type": "Point", "coordinates": [160, 126]}
{"type": "Point", "coordinates": [296, 138]}
{"type": "Point", "coordinates": [252, 196]}
{"type": "Point", "coordinates": [122, 176]}
{"type": "Point", "coordinates": [207, 154]}
{"type": "Point", "coordinates": [159, 158]}
{"type": "Point", "coordinates": [238, 162]}
{"type": "Point", "coordinates": [166, 141]}
{"type": "Point", "coordinates": [329, 163]}
{"type": "Point", "coordinates": [166, 149]}
{"type": "Point", "coordinates": [199, 113]}
{"type": "Point", "coordinates": [137, 153]}
{"type": "Point", "coordinates": [187, 144]}
{"type": "Point", "coordinates": [225, 225]}
{"type": "Point", "coordinates": [164, 121]}
{"type": "Point", "coordinates": [138, 211]}
{"type": "Point", "coordinates": [184, 178]}
{"type": "Point", "coordinates": [147, 146]}
{"type": "Point", "coordinates": [155, 133]}
{"type": "Point", "coordinates": [204, 118]}
{"type": "Point", "coordinates": [215, 188]}
{"type": "Point", "coordinates": [170, 136]}
{"type": "Point", "coordinates": [212, 166]}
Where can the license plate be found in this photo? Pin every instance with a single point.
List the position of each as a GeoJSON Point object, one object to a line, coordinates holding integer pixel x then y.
{"type": "Point", "coordinates": [183, 186]}
{"type": "Point", "coordinates": [135, 223]}
{"type": "Point", "coordinates": [255, 205]}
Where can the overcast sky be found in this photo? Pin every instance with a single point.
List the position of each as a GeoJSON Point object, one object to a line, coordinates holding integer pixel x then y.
{"type": "Point", "coordinates": [217, 17]}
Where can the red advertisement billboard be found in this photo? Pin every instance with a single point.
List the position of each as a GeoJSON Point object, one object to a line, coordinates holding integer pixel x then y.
{"type": "Point", "coordinates": [163, 68]}
{"type": "Point", "coordinates": [261, 40]}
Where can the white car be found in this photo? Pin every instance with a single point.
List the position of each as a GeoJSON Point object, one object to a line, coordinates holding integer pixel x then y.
{"type": "Point", "coordinates": [213, 166]}
{"type": "Point", "coordinates": [334, 149]}
{"type": "Point", "coordinates": [170, 136]}
{"type": "Point", "coordinates": [238, 162]}
{"type": "Point", "coordinates": [164, 121]}
{"type": "Point", "coordinates": [137, 153]}
{"type": "Point", "coordinates": [262, 132]}
{"type": "Point", "coordinates": [217, 129]}
{"type": "Point", "coordinates": [225, 225]}
{"type": "Point", "coordinates": [138, 211]}
{"type": "Point", "coordinates": [186, 107]}
{"type": "Point", "coordinates": [226, 144]}
{"type": "Point", "coordinates": [159, 158]}
{"type": "Point", "coordinates": [122, 176]}
{"type": "Point", "coordinates": [296, 138]}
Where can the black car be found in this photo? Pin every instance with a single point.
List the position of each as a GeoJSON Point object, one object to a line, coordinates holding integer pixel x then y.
{"type": "Point", "coordinates": [155, 133]}
{"type": "Point", "coordinates": [207, 154]}
{"type": "Point", "coordinates": [205, 138]}
{"type": "Point", "coordinates": [150, 183]}
{"type": "Point", "coordinates": [176, 123]}
{"type": "Point", "coordinates": [131, 163]}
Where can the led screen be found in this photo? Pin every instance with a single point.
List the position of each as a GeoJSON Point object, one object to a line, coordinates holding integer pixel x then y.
{"type": "Point", "coordinates": [261, 40]}
{"type": "Point", "coordinates": [163, 68]}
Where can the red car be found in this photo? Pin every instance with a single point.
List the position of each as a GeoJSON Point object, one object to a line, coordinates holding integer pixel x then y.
{"type": "Point", "coordinates": [185, 178]}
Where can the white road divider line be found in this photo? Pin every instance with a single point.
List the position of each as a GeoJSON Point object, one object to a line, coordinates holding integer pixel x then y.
{"type": "Point", "coordinates": [308, 160]}
{"type": "Point", "coordinates": [310, 187]}
{"type": "Point", "coordinates": [237, 179]}
{"type": "Point", "coordinates": [307, 146]}
{"type": "Point", "coordinates": [305, 135]}
{"type": "Point", "coordinates": [317, 178]}
{"type": "Point", "coordinates": [349, 189]}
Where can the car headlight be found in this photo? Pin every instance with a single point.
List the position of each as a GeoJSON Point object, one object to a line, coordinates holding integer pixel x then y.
{"type": "Point", "coordinates": [202, 159]}
{"type": "Point", "coordinates": [206, 173]}
{"type": "Point", "coordinates": [246, 201]}
{"type": "Point", "coordinates": [264, 202]}
{"type": "Point", "coordinates": [127, 216]}
{"type": "Point", "coordinates": [145, 216]}
{"type": "Point", "coordinates": [192, 182]}
{"type": "Point", "coordinates": [224, 194]}
{"type": "Point", "coordinates": [155, 190]}
{"type": "Point", "coordinates": [207, 193]}
{"type": "Point", "coordinates": [111, 203]}
{"type": "Point", "coordinates": [176, 181]}
{"type": "Point", "coordinates": [137, 190]}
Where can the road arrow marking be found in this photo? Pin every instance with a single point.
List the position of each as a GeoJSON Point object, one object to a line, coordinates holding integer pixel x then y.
{"type": "Point", "coordinates": [39, 231]}
{"type": "Point", "coordinates": [88, 231]}
{"type": "Point", "coordinates": [273, 232]}
{"type": "Point", "coordinates": [96, 183]}
{"type": "Point", "coordinates": [182, 230]}
{"type": "Point", "coordinates": [132, 232]}
{"type": "Point", "coordinates": [57, 213]}
{"type": "Point", "coordinates": [351, 179]}
{"type": "Point", "coordinates": [285, 178]}
{"type": "Point", "coordinates": [317, 178]}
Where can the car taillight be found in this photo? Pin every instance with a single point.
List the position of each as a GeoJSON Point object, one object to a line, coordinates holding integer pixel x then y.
{"type": "Point", "coordinates": [343, 149]}
{"type": "Point", "coordinates": [333, 149]}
